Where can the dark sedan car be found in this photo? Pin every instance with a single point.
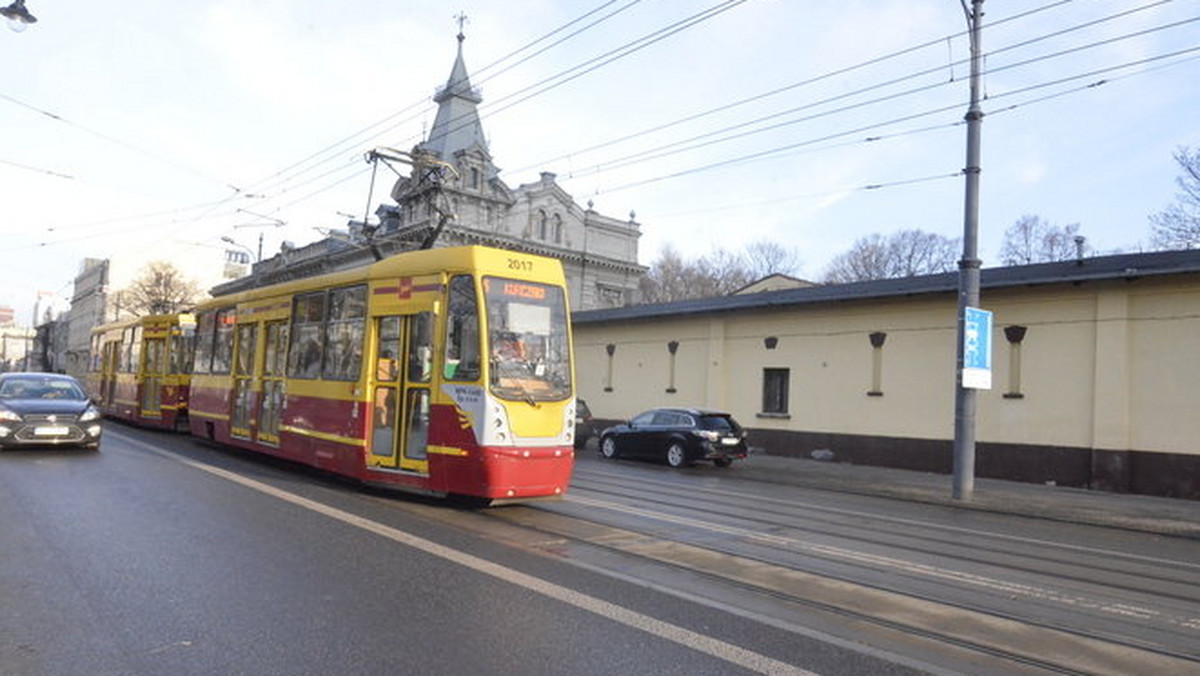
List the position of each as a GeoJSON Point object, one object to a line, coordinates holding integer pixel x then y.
{"type": "Point", "coordinates": [584, 429]}
{"type": "Point", "coordinates": [46, 409]}
{"type": "Point", "coordinates": [681, 436]}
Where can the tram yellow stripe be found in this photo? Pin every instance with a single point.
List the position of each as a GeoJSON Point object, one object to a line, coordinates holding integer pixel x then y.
{"type": "Point", "coordinates": [446, 450]}
{"type": "Point", "coordinates": [324, 436]}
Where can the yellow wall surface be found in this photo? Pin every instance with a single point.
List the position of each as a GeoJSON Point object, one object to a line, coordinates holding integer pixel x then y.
{"type": "Point", "coordinates": [1104, 365]}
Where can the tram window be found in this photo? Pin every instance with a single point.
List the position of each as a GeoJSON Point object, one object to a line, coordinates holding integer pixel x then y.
{"type": "Point", "coordinates": [386, 368]}
{"type": "Point", "coordinates": [204, 343]}
{"type": "Point", "coordinates": [308, 335]}
{"type": "Point", "coordinates": [154, 356]}
{"type": "Point", "coordinates": [182, 349]}
{"type": "Point", "coordinates": [527, 339]}
{"type": "Point", "coordinates": [223, 341]}
{"type": "Point", "coordinates": [347, 319]}
{"type": "Point", "coordinates": [420, 348]}
{"type": "Point", "coordinates": [135, 350]}
{"type": "Point", "coordinates": [276, 349]}
{"type": "Point", "coordinates": [245, 350]}
{"type": "Point", "coordinates": [462, 331]}
{"type": "Point", "coordinates": [126, 342]}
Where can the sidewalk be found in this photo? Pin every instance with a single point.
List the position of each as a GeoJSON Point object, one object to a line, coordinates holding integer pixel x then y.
{"type": "Point", "coordinates": [1166, 516]}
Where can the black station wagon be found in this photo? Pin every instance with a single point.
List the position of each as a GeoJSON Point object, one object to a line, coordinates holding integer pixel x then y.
{"type": "Point", "coordinates": [680, 436]}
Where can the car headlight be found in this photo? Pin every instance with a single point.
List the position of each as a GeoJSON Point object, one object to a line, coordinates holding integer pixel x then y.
{"type": "Point", "coordinates": [92, 413]}
{"type": "Point", "coordinates": [6, 414]}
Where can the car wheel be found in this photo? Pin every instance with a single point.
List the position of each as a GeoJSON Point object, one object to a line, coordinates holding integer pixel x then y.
{"type": "Point", "coordinates": [676, 455]}
{"type": "Point", "coordinates": [723, 462]}
{"type": "Point", "coordinates": [608, 448]}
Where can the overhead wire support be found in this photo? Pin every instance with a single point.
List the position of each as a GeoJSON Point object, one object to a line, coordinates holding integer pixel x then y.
{"type": "Point", "coordinates": [428, 176]}
{"type": "Point", "coordinates": [968, 270]}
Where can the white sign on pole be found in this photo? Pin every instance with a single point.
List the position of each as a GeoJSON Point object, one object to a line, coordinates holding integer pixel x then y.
{"type": "Point", "coordinates": [977, 349]}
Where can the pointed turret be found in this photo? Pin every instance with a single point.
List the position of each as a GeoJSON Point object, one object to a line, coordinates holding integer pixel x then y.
{"type": "Point", "coordinates": [457, 125]}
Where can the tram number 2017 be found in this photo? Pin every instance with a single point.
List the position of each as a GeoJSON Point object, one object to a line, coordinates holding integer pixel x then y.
{"type": "Point", "coordinates": [517, 264]}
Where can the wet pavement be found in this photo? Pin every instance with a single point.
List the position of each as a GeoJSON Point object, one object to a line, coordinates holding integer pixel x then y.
{"type": "Point", "coordinates": [1166, 516]}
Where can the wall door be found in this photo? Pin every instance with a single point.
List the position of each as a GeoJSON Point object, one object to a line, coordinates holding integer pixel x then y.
{"type": "Point", "coordinates": [245, 347]}
{"type": "Point", "coordinates": [400, 394]}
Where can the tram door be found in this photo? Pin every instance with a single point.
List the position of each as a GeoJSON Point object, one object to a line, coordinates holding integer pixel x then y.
{"type": "Point", "coordinates": [400, 391]}
{"type": "Point", "coordinates": [242, 419]}
{"type": "Point", "coordinates": [109, 365]}
{"type": "Point", "coordinates": [270, 404]}
{"type": "Point", "coordinates": [152, 377]}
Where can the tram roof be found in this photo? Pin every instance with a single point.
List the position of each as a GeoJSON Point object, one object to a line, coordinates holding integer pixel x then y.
{"type": "Point", "coordinates": [472, 258]}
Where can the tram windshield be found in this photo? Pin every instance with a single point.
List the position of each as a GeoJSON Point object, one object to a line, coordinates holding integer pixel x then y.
{"type": "Point", "coordinates": [530, 358]}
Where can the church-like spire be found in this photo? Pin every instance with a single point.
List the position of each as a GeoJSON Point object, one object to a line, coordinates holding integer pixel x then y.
{"type": "Point", "coordinates": [457, 125]}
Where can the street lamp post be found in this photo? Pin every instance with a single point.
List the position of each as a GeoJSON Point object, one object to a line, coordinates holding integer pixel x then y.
{"type": "Point", "coordinates": [968, 272]}
{"type": "Point", "coordinates": [229, 240]}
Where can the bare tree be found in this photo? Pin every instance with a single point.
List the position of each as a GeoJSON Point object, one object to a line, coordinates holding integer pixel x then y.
{"type": "Point", "coordinates": [765, 258]}
{"type": "Point", "coordinates": [1178, 226]}
{"type": "Point", "coordinates": [672, 278]}
{"type": "Point", "coordinates": [667, 279]}
{"type": "Point", "coordinates": [903, 254]}
{"type": "Point", "coordinates": [160, 289]}
{"type": "Point", "coordinates": [1034, 240]}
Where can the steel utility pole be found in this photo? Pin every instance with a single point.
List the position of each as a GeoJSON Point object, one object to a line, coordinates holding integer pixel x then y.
{"type": "Point", "coordinates": [968, 271]}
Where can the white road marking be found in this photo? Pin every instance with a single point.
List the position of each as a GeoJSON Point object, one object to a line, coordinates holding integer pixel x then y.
{"type": "Point", "coordinates": [721, 650]}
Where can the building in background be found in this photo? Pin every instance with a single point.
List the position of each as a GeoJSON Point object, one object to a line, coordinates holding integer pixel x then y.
{"type": "Point", "coordinates": [1095, 364]}
{"type": "Point", "coordinates": [99, 293]}
{"type": "Point", "coordinates": [16, 342]}
{"type": "Point", "coordinates": [599, 253]}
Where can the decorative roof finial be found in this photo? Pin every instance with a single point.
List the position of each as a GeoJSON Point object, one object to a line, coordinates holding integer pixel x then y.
{"type": "Point", "coordinates": [461, 18]}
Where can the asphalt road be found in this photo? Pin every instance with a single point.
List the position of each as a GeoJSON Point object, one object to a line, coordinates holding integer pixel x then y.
{"type": "Point", "coordinates": [162, 556]}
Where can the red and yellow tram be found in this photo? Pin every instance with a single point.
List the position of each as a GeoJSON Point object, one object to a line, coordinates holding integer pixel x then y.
{"type": "Point", "coordinates": [140, 368]}
{"type": "Point", "coordinates": [444, 371]}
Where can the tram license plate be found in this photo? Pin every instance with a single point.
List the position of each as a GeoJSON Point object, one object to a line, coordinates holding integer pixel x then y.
{"type": "Point", "coordinates": [56, 431]}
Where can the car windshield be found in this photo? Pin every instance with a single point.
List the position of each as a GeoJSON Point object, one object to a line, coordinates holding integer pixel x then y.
{"type": "Point", "coordinates": [41, 388]}
{"type": "Point", "coordinates": [718, 423]}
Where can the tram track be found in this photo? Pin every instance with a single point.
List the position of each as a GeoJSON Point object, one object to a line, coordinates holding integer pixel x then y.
{"type": "Point", "coordinates": [931, 624]}
{"type": "Point", "coordinates": [890, 619]}
{"type": "Point", "coordinates": [1124, 571]}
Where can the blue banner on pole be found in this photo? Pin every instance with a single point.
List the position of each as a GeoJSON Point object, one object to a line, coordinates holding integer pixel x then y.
{"type": "Point", "coordinates": [977, 349]}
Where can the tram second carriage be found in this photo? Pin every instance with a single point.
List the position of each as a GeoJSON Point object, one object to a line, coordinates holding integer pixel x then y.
{"type": "Point", "coordinates": [446, 371]}
{"type": "Point", "coordinates": [139, 369]}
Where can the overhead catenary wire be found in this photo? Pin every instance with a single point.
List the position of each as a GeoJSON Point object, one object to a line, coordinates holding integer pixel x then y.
{"type": "Point", "coordinates": [292, 189]}
{"type": "Point", "coordinates": [380, 127]}
{"type": "Point", "coordinates": [699, 141]}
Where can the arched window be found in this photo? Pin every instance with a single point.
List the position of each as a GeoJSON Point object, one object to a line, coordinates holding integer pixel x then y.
{"type": "Point", "coordinates": [558, 229]}
{"type": "Point", "coordinates": [541, 224]}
